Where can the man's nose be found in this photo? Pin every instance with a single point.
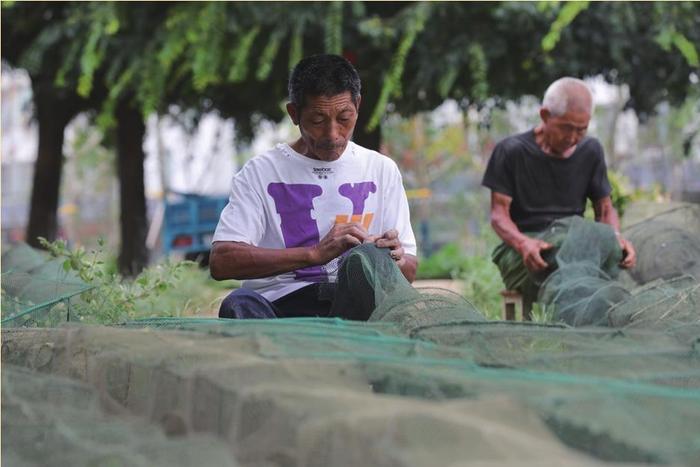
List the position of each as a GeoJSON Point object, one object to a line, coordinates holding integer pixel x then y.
{"type": "Point", "coordinates": [333, 131]}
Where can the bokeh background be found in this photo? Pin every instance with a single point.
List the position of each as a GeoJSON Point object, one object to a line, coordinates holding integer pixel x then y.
{"type": "Point", "coordinates": [111, 112]}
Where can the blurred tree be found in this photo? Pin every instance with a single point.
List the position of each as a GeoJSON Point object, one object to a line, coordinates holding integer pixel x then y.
{"type": "Point", "coordinates": [479, 52]}
{"type": "Point", "coordinates": [124, 61]}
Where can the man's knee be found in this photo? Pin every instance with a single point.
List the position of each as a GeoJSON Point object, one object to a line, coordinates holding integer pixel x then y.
{"type": "Point", "coordinates": [246, 304]}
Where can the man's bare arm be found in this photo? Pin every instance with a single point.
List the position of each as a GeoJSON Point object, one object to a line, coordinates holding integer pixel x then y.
{"type": "Point", "coordinates": [606, 213]}
{"type": "Point", "coordinates": [502, 223]}
{"type": "Point", "coordinates": [409, 267]}
{"type": "Point", "coordinates": [238, 260]}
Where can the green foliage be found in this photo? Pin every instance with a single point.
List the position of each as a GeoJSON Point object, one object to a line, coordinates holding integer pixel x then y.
{"type": "Point", "coordinates": [623, 194]}
{"type": "Point", "coordinates": [333, 39]}
{"type": "Point", "coordinates": [113, 299]}
{"type": "Point", "coordinates": [296, 48]}
{"type": "Point", "coordinates": [103, 24]}
{"type": "Point", "coordinates": [447, 263]}
{"type": "Point", "coordinates": [478, 67]}
{"type": "Point", "coordinates": [669, 36]}
{"type": "Point", "coordinates": [239, 69]}
{"type": "Point", "coordinates": [566, 15]}
{"type": "Point", "coordinates": [543, 314]}
{"type": "Point", "coordinates": [392, 82]}
{"type": "Point", "coordinates": [482, 284]}
{"type": "Point", "coordinates": [479, 276]}
{"type": "Point", "coordinates": [268, 55]}
{"type": "Point", "coordinates": [189, 53]}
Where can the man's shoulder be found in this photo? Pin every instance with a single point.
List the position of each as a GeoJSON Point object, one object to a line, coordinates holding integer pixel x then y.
{"type": "Point", "coordinates": [591, 144]}
{"type": "Point", "coordinates": [370, 156]}
{"type": "Point", "coordinates": [261, 160]}
{"type": "Point", "coordinates": [515, 143]}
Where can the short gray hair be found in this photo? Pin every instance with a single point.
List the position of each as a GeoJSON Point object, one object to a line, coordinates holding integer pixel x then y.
{"type": "Point", "coordinates": [565, 94]}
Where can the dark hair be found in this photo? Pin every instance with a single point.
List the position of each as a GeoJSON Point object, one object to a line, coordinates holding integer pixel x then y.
{"type": "Point", "coordinates": [323, 75]}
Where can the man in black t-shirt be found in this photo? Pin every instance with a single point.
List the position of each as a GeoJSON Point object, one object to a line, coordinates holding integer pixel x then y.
{"type": "Point", "coordinates": [546, 174]}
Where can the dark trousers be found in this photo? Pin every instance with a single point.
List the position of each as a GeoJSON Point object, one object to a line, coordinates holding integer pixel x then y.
{"type": "Point", "coordinates": [313, 300]}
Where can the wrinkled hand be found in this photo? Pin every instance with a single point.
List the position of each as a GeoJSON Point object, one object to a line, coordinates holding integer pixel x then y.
{"type": "Point", "coordinates": [629, 256]}
{"type": "Point", "coordinates": [390, 239]}
{"type": "Point", "coordinates": [337, 241]}
{"type": "Point", "coordinates": [530, 250]}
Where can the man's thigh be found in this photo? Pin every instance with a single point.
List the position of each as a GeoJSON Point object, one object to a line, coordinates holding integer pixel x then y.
{"type": "Point", "coordinates": [247, 304]}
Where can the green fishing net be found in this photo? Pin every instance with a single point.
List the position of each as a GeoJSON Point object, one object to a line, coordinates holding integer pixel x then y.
{"type": "Point", "coordinates": [52, 420]}
{"type": "Point", "coordinates": [668, 244]}
{"type": "Point", "coordinates": [425, 381]}
{"type": "Point", "coordinates": [36, 290]}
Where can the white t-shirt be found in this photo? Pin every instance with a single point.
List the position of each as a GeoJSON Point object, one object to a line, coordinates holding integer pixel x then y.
{"type": "Point", "coordinates": [282, 199]}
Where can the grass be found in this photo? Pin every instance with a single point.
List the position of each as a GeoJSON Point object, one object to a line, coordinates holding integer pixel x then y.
{"type": "Point", "coordinates": [193, 293]}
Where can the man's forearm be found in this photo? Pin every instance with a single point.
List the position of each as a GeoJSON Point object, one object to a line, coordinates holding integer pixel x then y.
{"type": "Point", "coordinates": [506, 229]}
{"type": "Point", "coordinates": [233, 260]}
{"type": "Point", "coordinates": [409, 267]}
{"type": "Point", "coordinates": [605, 213]}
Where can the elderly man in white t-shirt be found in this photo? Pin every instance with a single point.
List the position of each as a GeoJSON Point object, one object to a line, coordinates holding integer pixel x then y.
{"type": "Point", "coordinates": [295, 210]}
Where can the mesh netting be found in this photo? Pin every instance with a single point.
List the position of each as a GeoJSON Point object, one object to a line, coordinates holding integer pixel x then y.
{"type": "Point", "coordinates": [372, 287]}
{"type": "Point", "coordinates": [36, 291]}
{"type": "Point", "coordinates": [668, 244]}
{"type": "Point", "coordinates": [427, 380]}
{"type": "Point", "coordinates": [54, 420]}
{"type": "Point", "coordinates": [586, 255]}
{"type": "Point", "coordinates": [333, 392]}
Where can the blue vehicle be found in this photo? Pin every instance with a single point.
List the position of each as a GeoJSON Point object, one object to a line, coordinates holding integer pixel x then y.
{"type": "Point", "coordinates": [189, 224]}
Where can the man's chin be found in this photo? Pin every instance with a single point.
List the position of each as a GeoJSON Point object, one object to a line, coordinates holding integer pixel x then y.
{"type": "Point", "coordinates": [329, 154]}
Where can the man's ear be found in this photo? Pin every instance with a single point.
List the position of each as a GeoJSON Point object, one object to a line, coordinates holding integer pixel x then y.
{"type": "Point", "coordinates": [544, 114]}
{"type": "Point", "coordinates": [357, 103]}
{"type": "Point", "coordinates": [293, 114]}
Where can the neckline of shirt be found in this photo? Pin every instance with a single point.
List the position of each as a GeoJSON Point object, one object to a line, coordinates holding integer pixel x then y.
{"type": "Point", "coordinates": [345, 156]}
{"type": "Point", "coordinates": [533, 141]}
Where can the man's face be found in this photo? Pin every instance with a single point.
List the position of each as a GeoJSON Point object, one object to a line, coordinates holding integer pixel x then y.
{"type": "Point", "coordinates": [564, 132]}
{"type": "Point", "coordinates": [326, 124]}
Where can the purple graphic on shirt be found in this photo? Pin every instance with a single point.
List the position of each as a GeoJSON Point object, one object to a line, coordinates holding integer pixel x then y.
{"type": "Point", "coordinates": [294, 204]}
{"type": "Point", "coordinates": [357, 193]}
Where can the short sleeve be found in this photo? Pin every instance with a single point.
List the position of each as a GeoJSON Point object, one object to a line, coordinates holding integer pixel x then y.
{"type": "Point", "coordinates": [599, 185]}
{"type": "Point", "coordinates": [498, 176]}
{"type": "Point", "coordinates": [397, 215]}
{"type": "Point", "coordinates": [242, 220]}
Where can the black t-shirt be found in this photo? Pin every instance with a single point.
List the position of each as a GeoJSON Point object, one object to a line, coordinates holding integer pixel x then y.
{"type": "Point", "coordinates": [545, 188]}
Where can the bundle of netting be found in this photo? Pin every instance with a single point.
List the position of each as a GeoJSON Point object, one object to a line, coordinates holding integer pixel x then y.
{"type": "Point", "coordinates": [36, 289]}
{"type": "Point", "coordinates": [672, 306]}
{"type": "Point", "coordinates": [371, 286]}
{"type": "Point", "coordinates": [585, 258]}
{"type": "Point", "coordinates": [667, 244]}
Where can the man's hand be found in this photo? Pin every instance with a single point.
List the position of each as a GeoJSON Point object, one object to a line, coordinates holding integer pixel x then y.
{"type": "Point", "coordinates": [530, 249]}
{"type": "Point", "coordinates": [629, 256]}
{"type": "Point", "coordinates": [337, 241]}
{"type": "Point", "coordinates": [390, 240]}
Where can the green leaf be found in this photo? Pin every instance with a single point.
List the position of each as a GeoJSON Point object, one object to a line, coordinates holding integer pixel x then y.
{"type": "Point", "coordinates": [567, 14]}
{"type": "Point", "coordinates": [416, 23]}
{"type": "Point", "coordinates": [66, 265]}
{"type": "Point", "coordinates": [112, 26]}
{"type": "Point", "coordinates": [239, 69]}
{"type": "Point", "coordinates": [267, 58]}
{"type": "Point", "coordinates": [334, 28]}
{"type": "Point", "coordinates": [296, 52]}
{"type": "Point", "coordinates": [686, 48]}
